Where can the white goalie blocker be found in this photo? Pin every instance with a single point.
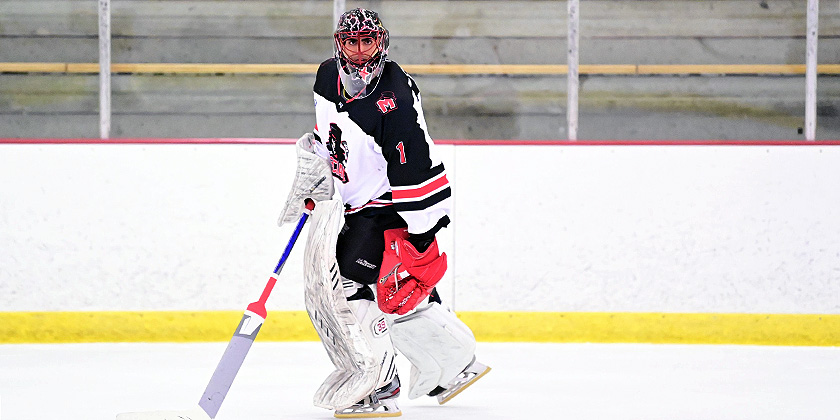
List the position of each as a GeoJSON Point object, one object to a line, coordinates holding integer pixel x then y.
{"type": "Point", "coordinates": [354, 333]}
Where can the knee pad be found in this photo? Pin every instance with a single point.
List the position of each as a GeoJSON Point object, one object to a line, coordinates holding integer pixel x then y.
{"type": "Point", "coordinates": [437, 343]}
{"type": "Point", "coordinates": [355, 332]}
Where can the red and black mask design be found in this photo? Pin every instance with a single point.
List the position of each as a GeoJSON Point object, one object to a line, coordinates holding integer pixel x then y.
{"type": "Point", "coordinates": [361, 47]}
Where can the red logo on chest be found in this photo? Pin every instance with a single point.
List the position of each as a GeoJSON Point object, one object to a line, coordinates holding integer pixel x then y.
{"type": "Point", "coordinates": [387, 102]}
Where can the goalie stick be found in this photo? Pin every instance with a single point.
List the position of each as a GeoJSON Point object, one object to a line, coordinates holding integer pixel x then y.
{"type": "Point", "coordinates": [237, 349]}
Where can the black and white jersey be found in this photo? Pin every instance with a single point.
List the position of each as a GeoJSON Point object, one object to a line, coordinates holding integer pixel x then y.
{"type": "Point", "coordinates": [379, 147]}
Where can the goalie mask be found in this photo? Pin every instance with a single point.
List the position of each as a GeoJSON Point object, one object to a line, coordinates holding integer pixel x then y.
{"type": "Point", "coordinates": [361, 47]}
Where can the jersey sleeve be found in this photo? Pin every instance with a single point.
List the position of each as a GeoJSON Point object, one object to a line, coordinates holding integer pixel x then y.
{"type": "Point", "coordinates": [420, 190]}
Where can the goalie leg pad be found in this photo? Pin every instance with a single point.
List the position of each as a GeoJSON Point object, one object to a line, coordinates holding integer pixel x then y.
{"type": "Point", "coordinates": [437, 343]}
{"type": "Point", "coordinates": [355, 333]}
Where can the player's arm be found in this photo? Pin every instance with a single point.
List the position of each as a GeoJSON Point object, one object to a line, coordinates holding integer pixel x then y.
{"type": "Point", "coordinates": [420, 189]}
{"type": "Point", "coordinates": [421, 194]}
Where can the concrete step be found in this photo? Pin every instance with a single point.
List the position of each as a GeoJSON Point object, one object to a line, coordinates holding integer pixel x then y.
{"type": "Point", "coordinates": [533, 19]}
{"type": "Point", "coordinates": [474, 32]}
{"type": "Point", "coordinates": [442, 94]}
{"type": "Point", "coordinates": [456, 107]}
{"type": "Point", "coordinates": [423, 51]}
{"type": "Point", "coordinates": [616, 124]}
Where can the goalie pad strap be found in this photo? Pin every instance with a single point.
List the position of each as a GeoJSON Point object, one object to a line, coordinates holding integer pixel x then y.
{"type": "Point", "coordinates": [354, 334]}
{"type": "Point", "coordinates": [437, 343]}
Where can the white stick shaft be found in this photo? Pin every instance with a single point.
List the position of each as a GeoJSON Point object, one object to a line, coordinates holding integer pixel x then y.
{"type": "Point", "coordinates": [573, 75]}
{"type": "Point", "coordinates": [811, 70]}
{"type": "Point", "coordinates": [104, 69]}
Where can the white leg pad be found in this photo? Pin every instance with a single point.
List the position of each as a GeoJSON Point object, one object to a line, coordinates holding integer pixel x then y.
{"type": "Point", "coordinates": [355, 334]}
{"type": "Point", "coordinates": [437, 343]}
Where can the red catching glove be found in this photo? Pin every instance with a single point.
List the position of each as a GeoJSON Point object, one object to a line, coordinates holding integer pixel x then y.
{"type": "Point", "coordinates": [407, 276]}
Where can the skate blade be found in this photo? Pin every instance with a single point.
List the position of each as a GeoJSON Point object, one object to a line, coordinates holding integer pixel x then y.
{"type": "Point", "coordinates": [367, 415]}
{"type": "Point", "coordinates": [467, 385]}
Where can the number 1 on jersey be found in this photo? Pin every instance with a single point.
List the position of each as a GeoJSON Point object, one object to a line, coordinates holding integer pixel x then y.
{"type": "Point", "coordinates": [401, 148]}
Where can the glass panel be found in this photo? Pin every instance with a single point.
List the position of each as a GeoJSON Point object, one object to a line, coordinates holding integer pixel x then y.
{"type": "Point", "coordinates": [461, 103]}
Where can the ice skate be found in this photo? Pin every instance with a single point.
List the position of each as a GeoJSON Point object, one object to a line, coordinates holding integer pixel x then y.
{"type": "Point", "coordinates": [467, 377]}
{"type": "Point", "coordinates": [382, 403]}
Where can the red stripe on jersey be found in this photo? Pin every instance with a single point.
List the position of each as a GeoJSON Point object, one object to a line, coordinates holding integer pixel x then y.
{"type": "Point", "coordinates": [417, 192]}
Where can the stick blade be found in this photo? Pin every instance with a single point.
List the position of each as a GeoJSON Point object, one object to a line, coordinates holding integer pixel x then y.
{"type": "Point", "coordinates": [195, 414]}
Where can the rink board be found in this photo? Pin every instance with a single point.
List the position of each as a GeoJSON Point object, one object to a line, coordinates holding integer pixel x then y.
{"type": "Point", "coordinates": [695, 242]}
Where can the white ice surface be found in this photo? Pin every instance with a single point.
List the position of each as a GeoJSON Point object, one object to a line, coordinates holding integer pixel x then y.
{"type": "Point", "coordinates": [528, 381]}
